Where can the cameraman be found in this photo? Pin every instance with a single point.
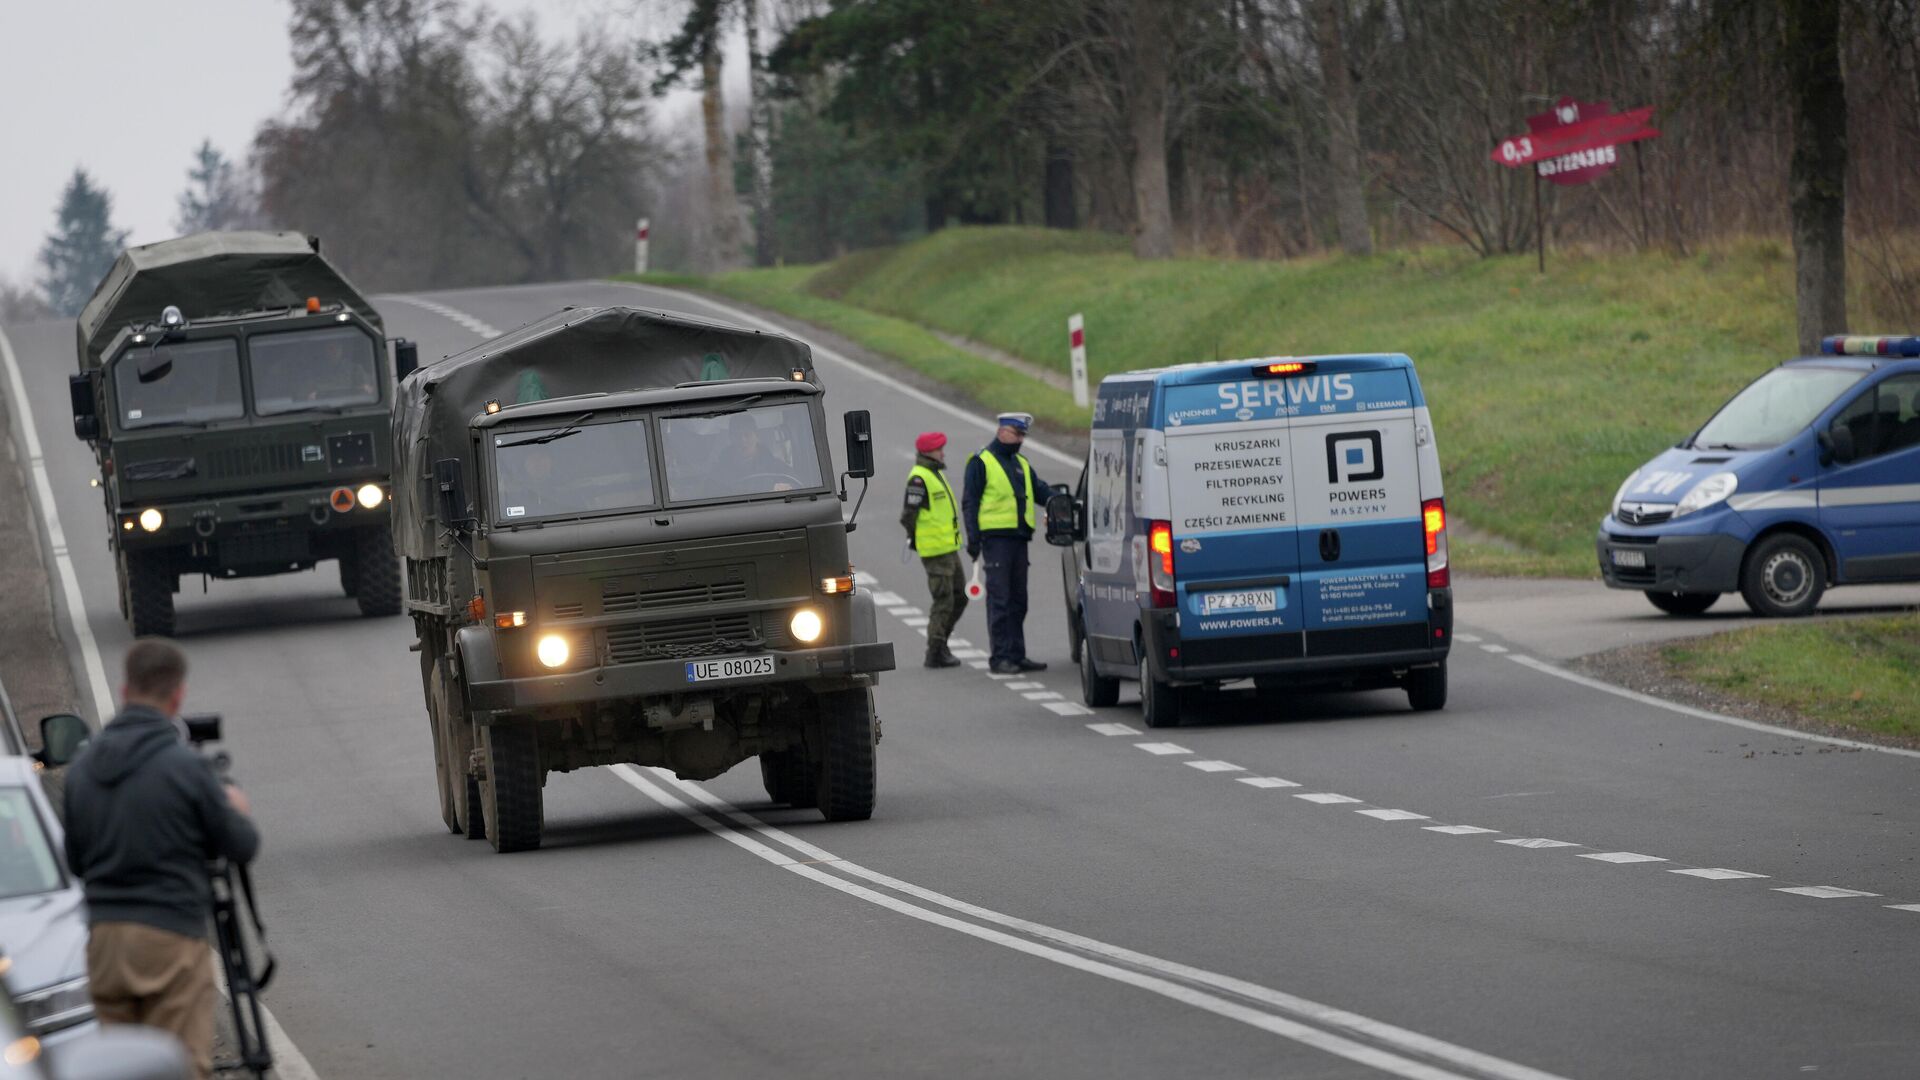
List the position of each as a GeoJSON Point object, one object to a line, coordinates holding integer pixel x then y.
{"type": "Point", "coordinates": [144, 814]}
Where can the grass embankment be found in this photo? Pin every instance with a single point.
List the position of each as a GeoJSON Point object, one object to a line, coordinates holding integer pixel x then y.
{"type": "Point", "coordinates": [1858, 675]}
{"type": "Point", "coordinates": [1546, 390]}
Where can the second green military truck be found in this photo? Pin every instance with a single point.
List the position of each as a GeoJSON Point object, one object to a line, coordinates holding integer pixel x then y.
{"type": "Point", "coordinates": [624, 543]}
{"type": "Point", "coordinates": [235, 390]}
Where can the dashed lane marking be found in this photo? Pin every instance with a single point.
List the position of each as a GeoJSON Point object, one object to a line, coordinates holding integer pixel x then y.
{"type": "Point", "coordinates": [915, 621]}
{"type": "Point", "coordinates": [888, 600]}
{"type": "Point", "coordinates": [1040, 695]}
{"type": "Point", "coordinates": [981, 665]}
{"type": "Point", "coordinates": [1215, 766]}
{"type": "Point", "coordinates": [1824, 892]}
{"type": "Point", "coordinates": [1715, 873]}
{"type": "Point", "coordinates": [1495, 649]}
{"type": "Point", "coordinates": [1162, 748]}
{"type": "Point", "coordinates": [1265, 782]}
{"type": "Point", "coordinates": [1112, 729]}
{"type": "Point", "coordinates": [454, 315]}
{"type": "Point", "coordinates": [1620, 857]}
{"type": "Point", "coordinates": [1536, 842]}
{"type": "Point", "coordinates": [1325, 798]}
{"type": "Point", "coordinates": [1467, 639]}
{"type": "Point", "coordinates": [1393, 815]}
{"type": "Point", "coordinates": [959, 643]}
{"type": "Point", "coordinates": [1067, 708]}
{"type": "Point", "coordinates": [1025, 685]}
{"type": "Point", "coordinates": [1458, 830]}
{"type": "Point", "coordinates": [967, 654]}
{"type": "Point", "coordinates": [1905, 907]}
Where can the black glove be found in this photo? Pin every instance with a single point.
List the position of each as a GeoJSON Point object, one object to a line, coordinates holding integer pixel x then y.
{"type": "Point", "coordinates": [973, 552]}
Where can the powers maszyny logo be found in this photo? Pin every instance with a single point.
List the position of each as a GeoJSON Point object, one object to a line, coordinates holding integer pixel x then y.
{"type": "Point", "coordinates": [1353, 457]}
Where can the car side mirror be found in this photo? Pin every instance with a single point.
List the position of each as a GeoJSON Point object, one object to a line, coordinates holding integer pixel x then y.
{"type": "Point", "coordinates": [82, 390]}
{"type": "Point", "coordinates": [450, 493]}
{"type": "Point", "coordinates": [859, 424]}
{"type": "Point", "coordinates": [1836, 444]}
{"type": "Point", "coordinates": [62, 737]}
{"type": "Point", "coordinates": [1063, 520]}
{"type": "Point", "coordinates": [406, 358]}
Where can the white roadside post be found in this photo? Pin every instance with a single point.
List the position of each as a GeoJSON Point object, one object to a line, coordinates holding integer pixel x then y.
{"type": "Point", "coordinates": [640, 246]}
{"type": "Point", "coordinates": [1077, 346]}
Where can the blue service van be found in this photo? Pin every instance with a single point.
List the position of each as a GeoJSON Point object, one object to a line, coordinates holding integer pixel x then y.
{"type": "Point", "coordinates": [1806, 479]}
{"type": "Point", "coordinates": [1278, 519]}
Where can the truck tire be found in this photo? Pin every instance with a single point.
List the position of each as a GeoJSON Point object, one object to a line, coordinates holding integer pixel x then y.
{"type": "Point", "coordinates": [788, 778]}
{"type": "Point", "coordinates": [1427, 688]}
{"type": "Point", "coordinates": [846, 772]}
{"type": "Point", "coordinates": [376, 573]}
{"type": "Point", "coordinates": [456, 740]}
{"type": "Point", "coordinates": [510, 792]}
{"type": "Point", "coordinates": [1159, 702]}
{"type": "Point", "coordinates": [346, 572]}
{"type": "Point", "coordinates": [1784, 576]}
{"type": "Point", "coordinates": [1095, 689]}
{"type": "Point", "coordinates": [150, 584]}
{"type": "Point", "coordinates": [1683, 603]}
{"type": "Point", "coordinates": [443, 770]}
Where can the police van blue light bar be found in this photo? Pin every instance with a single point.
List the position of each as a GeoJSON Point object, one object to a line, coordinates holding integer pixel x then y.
{"type": "Point", "coordinates": [1844, 345]}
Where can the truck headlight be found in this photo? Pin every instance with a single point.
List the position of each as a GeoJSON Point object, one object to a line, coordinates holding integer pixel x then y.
{"type": "Point", "coordinates": [371, 496]}
{"type": "Point", "coordinates": [553, 650]}
{"type": "Point", "coordinates": [57, 1007]}
{"type": "Point", "coordinates": [1707, 492]}
{"type": "Point", "coordinates": [806, 625]}
{"type": "Point", "coordinates": [151, 519]}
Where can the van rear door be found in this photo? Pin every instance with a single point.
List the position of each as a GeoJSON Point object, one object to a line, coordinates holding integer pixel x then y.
{"type": "Point", "coordinates": [1357, 503]}
{"type": "Point", "coordinates": [1230, 474]}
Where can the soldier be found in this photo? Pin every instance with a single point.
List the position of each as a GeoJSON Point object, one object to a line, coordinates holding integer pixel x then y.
{"type": "Point", "coordinates": [932, 521]}
{"type": "Point", "coordinates": [999, 505]}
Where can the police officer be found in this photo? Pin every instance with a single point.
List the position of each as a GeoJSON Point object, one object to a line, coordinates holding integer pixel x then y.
{"type": "Point", "coordinates": [1000, 507]}
{"type": "Point", "coordinates": [932, 520]}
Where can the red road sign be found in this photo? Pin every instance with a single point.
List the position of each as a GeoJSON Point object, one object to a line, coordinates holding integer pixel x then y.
{"type": "Point", "coordinates": [1573, 140]}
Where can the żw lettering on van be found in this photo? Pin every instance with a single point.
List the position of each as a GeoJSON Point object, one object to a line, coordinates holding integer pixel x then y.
{"type": "Point", "coordinates": [1262, 393]}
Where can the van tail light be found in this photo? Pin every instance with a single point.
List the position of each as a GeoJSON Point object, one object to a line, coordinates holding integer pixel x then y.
{"type": "Point", "coordinates": [1433, 518]}
{"type": "Point", "coordinates": [1160, 563]}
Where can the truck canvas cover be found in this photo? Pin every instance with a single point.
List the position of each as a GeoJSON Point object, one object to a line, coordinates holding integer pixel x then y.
{"type": "Point", "coordinates": [208, 274]}
{"type": "Point", "coordinates": [571, 352]}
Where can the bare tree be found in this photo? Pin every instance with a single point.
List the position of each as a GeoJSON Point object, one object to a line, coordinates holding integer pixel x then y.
{"type": "Point", "coordinates": [1343, 128]}
{"type": "Point", "coordinates": [1817, 179]}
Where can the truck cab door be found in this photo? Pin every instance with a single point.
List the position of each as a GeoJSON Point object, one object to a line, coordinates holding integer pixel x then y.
{"type": "Point", "coordinates": [1870, 502]}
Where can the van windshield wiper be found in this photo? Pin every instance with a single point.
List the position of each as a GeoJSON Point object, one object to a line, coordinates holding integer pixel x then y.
{"type": "Point", "coordinates": [572, 428]}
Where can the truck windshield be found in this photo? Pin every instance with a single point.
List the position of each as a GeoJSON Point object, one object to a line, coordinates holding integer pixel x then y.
{"type": "Point", "coordinates": [312, 369]}
{"type": "Point", "coordinates": [757, 451]}
{"type": "Point", "coordinates": [187, 382]}
{"type": "Point", "coordinates": [26, 858]}
{"type": "Point", "coordinates": [585, 469]}
{"type": "Point", "coordinates": [1775, 407]}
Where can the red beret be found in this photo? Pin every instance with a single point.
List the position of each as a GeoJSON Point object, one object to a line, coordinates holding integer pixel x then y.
{"type": "Point", "coordinates": [929, 441]}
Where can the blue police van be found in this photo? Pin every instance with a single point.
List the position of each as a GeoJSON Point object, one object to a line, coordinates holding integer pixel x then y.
{"type": "Point", "coordinates": [1279, 519]}
{"type": "Point", "coordinates": [1806, 479]}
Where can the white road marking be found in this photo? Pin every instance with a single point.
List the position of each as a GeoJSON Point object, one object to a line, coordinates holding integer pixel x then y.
{"type": "Point", "coordinates": [966, 654]}
{"type": "Point", "coordinates": [1825, 892]}
{"type": "Point", "coordinates": [1146, 972]}
{"type": "Point", "coordinates": [452, 314]}
{"type": "Point", "coordinates": [1701, 714]}
{"type": "Point", "coordinates": [904, 611]}
{"type": "Point", "coordinates": [289, 1062]}
{"type": "Point", "coordinates": [1068, 708]}
{"type": "Point", "coordinates": [1620, 857]}
{"type": "Point", "coordinates": [960, 643]}
{"type": "Point", "coordinates": [1458, 830]}
{"type": "Point", "coordinates": [1215, 766]}
{"type": "Point", "coordinates": [1265, 781]}
{"type": "Point", "coordinates": [1039, 695]}
{"type": "Point", "coordinates": [1715, 873]}
{"type": "Point", "coordinates": [1905, 907]}
{"type": "Point", "coordinates": [921, 630]}
{"type": "Point", "coordinates": [1469, 639]}
{"type": "Point", "coordinates": [861, 577]}
{"type": "Point", "coordinates": [916, 621]}
{"type": "Point", "coordinates": [1113, 729]}
{"type": "Point", "coordinates": [1325, 798]}
{"type": "Point", "coordinates": [1161, 748]}
{"type": "Point", "coordinates": [1394, 815]}
{"type": "Point", "coordinates": [1536, 842]}
{"type": "Point", "coordinates": [1495, 649]}
{"type": "Point", "coordinates": [981, 665]}
{"type": "Point", "coordinates": [888, 600]}
{"type": "Point", "coordinates": [1028, 684]}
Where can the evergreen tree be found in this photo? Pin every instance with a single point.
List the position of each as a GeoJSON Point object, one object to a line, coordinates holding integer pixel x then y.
{"type": "Point", "coordinates": [82, 246]}
{"type": "Point", "coordinates": [215, 197]}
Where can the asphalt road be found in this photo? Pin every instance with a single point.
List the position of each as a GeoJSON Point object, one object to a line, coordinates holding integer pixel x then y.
{"type": "Point", "coordinates": [1460, 894]}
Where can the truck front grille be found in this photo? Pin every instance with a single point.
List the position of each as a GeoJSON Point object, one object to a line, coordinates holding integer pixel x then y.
{"type": "Point", "coordinates": [231, 462]}
{"type": "Point", "coordinates": [699, 636]}
{"type": "Point", "coordinates": [614, 598]}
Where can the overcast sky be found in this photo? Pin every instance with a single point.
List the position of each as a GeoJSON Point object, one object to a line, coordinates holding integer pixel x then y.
{"type": "Point", "coordinates": [128, 88]}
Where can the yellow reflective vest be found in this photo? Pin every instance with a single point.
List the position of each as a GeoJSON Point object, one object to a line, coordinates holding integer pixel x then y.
{"type": "Point", "coordinates": [998, 504]}
{"type": "Point", "coordinates": [937, 530]}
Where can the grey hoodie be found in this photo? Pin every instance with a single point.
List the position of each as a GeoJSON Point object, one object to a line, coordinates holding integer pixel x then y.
{"type": "Point", "coordinates": [144, 814]}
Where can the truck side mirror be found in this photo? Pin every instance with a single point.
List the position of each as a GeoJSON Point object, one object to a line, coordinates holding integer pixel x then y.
{"type": "Point", "coordinates": [1836, 444]}
{"type": "Point", "coordinates": [450, 492]}
{"type": "Point", "coordinates": [859, 444]}
{"type": "Point", "coordinates": [406, 357]}
{"type": "Point", "coordinates": [1063, 520]}
{"type": "Point", "coordinates": [62, 737]}
{"type": "Point", "coordinates": [86, 409]}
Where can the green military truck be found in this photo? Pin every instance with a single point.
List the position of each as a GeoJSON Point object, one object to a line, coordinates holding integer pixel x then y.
{"type": "Point", "coordinates": [624, 543]}
{"type": "Point", "coordinates": [234, 388]}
